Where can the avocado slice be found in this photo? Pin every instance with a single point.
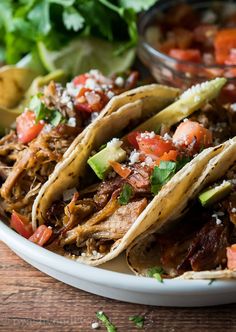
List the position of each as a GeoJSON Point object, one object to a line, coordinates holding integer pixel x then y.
{"type": "Point", "coordinates": [100, 162]}
{"type": "Point", "coordinates": [212, 195]}
{"type": "Point", "coordinates": [190, 101]}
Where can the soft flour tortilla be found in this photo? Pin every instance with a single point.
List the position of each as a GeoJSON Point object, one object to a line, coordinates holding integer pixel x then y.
{"type": "Point", "coordinates": [68, 173]}
{"type": "Point", "coordinates": [139, 103]}
{"type": "Point", "coordinates": [142, 254]}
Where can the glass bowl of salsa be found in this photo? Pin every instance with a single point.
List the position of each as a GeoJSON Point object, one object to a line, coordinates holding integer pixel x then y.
{"type": "Point", "coordinates": [186, 42]}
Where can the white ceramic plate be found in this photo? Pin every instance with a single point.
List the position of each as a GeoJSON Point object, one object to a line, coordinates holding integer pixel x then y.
{"type": "Point", "coordinates": [114, 280]}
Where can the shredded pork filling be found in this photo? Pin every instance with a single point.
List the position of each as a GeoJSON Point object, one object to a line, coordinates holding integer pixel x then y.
{"type": "Point", "coordinates": [92, 224]}
{"type": "Point", "coordinates": [199, 240]}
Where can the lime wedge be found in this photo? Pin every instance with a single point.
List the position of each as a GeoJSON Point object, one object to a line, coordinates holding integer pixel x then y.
{"type": "Point", "coordinates": [83, 54]}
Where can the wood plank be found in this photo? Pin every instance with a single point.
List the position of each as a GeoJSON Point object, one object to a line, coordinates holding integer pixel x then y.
{"type": "Point", "coordinates": [33, 301]}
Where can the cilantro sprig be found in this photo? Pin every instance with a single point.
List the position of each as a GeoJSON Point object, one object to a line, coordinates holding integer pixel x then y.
{"type": "Point", "coordinates": [55, 22]}
{"type": "Point", "coordinates": [138, 320]}
{"type": "Point", "coordinates": [126, 194]}
{"type": "Point", "coordinates": [105, 320]}
{"type": "Point", "coordinates": [52, 116]}
{"type": "Point", "coordinates": [156, 273]}
{"type": "Point", "coordinates": [162, 174]}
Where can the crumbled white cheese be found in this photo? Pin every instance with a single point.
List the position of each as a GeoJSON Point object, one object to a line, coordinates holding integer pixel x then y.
{"type": "Point", "coordinates": [94, 252]}
{"type": "Point", "coordinates": [47, 128]}
{"type": "Point", "coordinates": [119, 81]}
{"type": "Point", "coordinates": [220, 214]}
{"type": "Point", "coordinates": [95, 72]}
{"type": "Point", "coordinates": [167, 137]}
{"type": "Point", "coordinates": [134, 157]}
{"type": "Point", "coordinates": [92, 97]}
{"type": "Point", "coordinates": [70, 105]}
{"type": "Point", "coordinates": [92, 84]}
{"type": "Point", "coordinates": [218, 221]}
{"type": "Point", "coordinates": [110, 94]}
{"type": "Point", "coordinates": [114, 143]}
{"type": "Point", "coordinates": [148, 161]}
{"type": "Point", "coordinates": [65, 98]}
{"type": "Point", "coordinates": [94, 116]}
{"type": "Point", "coordinates": [83, 254]}
{"type": "Point", "coordinates": [71, 122]}
{"type": "Point", "coordinates": [95, 325]}
{"type": "Point", "coordinates": [148, 134]}
{"type": "Point", "coordinates": [73, 90]}
{"type": "Point", "coordinates": [233, 107]}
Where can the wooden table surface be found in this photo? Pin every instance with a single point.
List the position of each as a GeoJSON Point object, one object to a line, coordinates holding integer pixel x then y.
{"type": "Point", "coordinates": [32, 301]}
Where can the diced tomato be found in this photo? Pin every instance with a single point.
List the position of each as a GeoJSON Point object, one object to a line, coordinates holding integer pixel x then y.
{"type": "Point", "coordinates": [26, 127]}
{"type": "Point", "coordinates": [192, 134]}
{"type": "Point", "coordinates": [132, 138]}
{"type": "Point", "coordinates": [232, 58]}
{"type": "Point", "coordinates": [192, 55]}
{"type": "Point", "coordinates": [225, 41]}
{"type": "Point", "coordinates": [167, 156]}
{"type": "Point", "coordinates": [41, 235]}
{"type": "Point", "coordinates": [121, 170]}
{"type": "Point", "coordinates": [213, 72]}
{"type": "Point", "coordinates": [81, 79]}
{"type": "Point", "coordinates": [83, 107]}
{"type": "Point", "coordinates": [155, 146]}
{"type": "Point", "coordinates": [21, 224]}
{"type": "Point", "coordinates": [231, 257]}
{"type": "Point", "coordinates": [90, 104]}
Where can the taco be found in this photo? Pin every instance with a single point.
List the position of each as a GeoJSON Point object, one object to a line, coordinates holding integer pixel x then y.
{"type": "Point", "coordinates": [197, 239]}
{"type": "Point", "coordinates": [103, 197]}
{"type": "Point", "coordinates": [53, 124]}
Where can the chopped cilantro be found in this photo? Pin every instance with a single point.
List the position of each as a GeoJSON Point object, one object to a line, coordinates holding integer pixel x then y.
{"type": "Point", "coordinates": [126, 194]}
{"type": "Point", "coordinates": [52, 116]}
{"type": "Point", "coordinates": [105, 320]}
{"type": "Point", "coordinates": [156, 273]}
{"type": "Point", "coordinates": [182, 162]}
{"type": "Point", "coordinates": [162, 174]}
{"type": "Point", "coordinates": [55, 118]}
{"type": "Point", "coordinates": [138, 321]}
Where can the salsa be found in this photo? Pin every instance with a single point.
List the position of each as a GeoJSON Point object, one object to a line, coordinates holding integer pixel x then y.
{"type": "Point", "coordinates": [207, 37]}
{"type": "Point", "coordinates": [201, 38]}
